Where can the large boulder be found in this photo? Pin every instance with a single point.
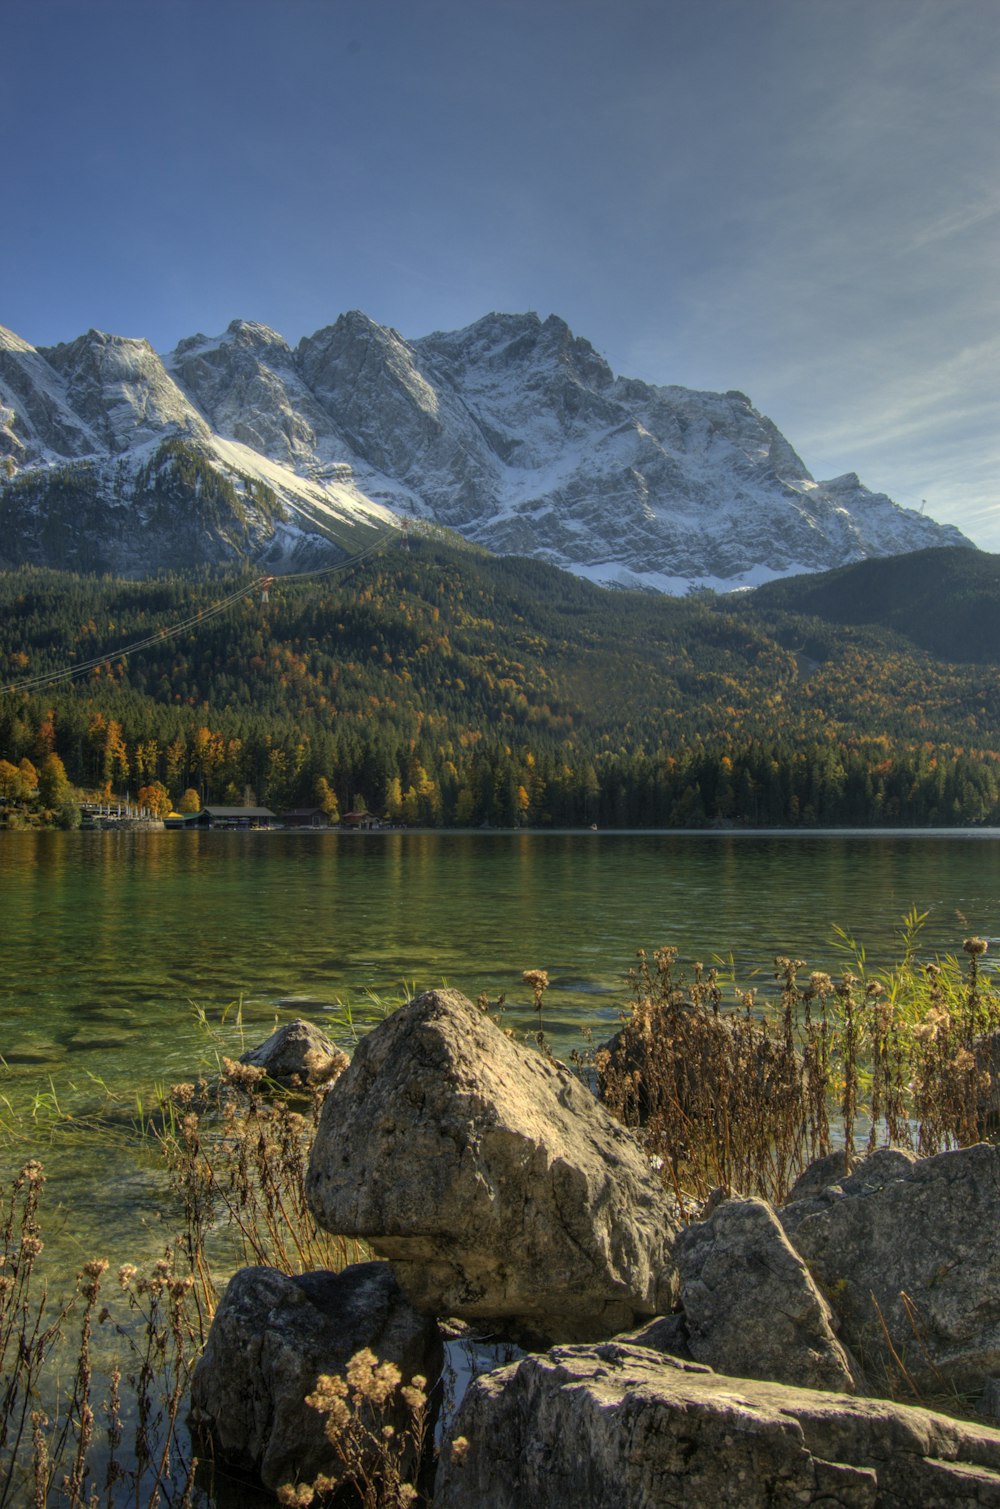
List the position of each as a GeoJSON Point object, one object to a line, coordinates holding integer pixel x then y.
{"type": "Point", "coordinates": [750, 1307]}
{"type": "Point", "coordinates": [618, 1427]}
{"type": "Point", "coordinates": [272, 1337]}
{"type": "Point", "coordinates": [908, 1252]}
{"type": "Point", "coordinates": [490, 1177]}
{"type": "Point", "coordinates": [297, 1054]}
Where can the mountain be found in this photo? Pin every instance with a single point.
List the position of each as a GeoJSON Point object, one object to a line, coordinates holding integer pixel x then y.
{"type": "Point", "coordinates": [513, 432]}
{"type": "Point", "coordinates": [109, 465]}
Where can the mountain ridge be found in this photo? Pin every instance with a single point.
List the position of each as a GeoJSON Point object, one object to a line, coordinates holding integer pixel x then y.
{"type": "Point", "coordinates": [513, 431]}
{"type": "Point", "coordinates": [943, 601]}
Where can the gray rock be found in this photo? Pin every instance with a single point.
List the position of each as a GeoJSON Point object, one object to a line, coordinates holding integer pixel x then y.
{"type": "Point", "coordinates": [272, 1337]}
{"type": "Point", "coordinates": [297, 1053]}
{"type": "Point", "coordinates": [491, 1178]}
{"type": "Point", "coordinates": [616, 1427]}
{"type": "Point", "coordinates": [750, 1307]}
{"type": "Point", "coordinates": [915, 1241]}
{"type": "Point", "coordinates": [989, 1402]}
{"type": "Point", "coordinates": [665, 1333]}
{"type": "Point", "coordinates": [818, 1176]}
{"type": "Point", "coordinates": [823, 1178]}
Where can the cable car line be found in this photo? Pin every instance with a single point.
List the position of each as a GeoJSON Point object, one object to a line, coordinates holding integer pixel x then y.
{"type": "Point", "coordinates": [259, 584]}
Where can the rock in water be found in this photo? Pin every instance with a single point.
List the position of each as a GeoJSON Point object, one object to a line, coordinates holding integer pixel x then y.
{"type": "Point", "coordinates": [750, 1307]}
{"type": "Point", "coordinates": [618, 1427]}
{"type": "Point", "coordinates": [272, 1337]}
{"type": "Point", "coordinates": [297, 1053]}
{"type": "Point", "coordinates": [490, 1177]}
{"type": "Point", "coordinates": [911, 1246]}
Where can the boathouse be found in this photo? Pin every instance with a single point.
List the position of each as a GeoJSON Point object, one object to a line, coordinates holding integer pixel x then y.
{"type": "Point", "coordinates": [306, 817]}
{"type": "Point", "coordinates": [237, 817]}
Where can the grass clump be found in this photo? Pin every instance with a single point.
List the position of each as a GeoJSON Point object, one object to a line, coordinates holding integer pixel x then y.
{"type": "Point", "coordinates": [744, 1092]}
{"type": "Point", "coordinates": [95, 1386]}
{"type": "Point", "coordinates": [236, 1149]}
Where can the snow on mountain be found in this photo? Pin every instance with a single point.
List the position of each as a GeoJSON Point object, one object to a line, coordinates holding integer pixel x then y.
{"type": "Point", "coordinates": [246, 384]}
{"type": "Point", "coordinates": [120, 388]}
{"type": "Point", "coordinates": [36, 416]}
{"type": "Point", "coordinates": [111, 464]}
{"type": "Point", "coordinates": [514, 432]}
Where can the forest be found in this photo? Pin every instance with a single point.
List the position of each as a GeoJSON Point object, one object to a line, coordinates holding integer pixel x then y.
{"type": "Point", "coordinates": [434, 684]}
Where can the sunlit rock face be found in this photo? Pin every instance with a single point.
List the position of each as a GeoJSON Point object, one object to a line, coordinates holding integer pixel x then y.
{"type": "Point", "coordinates": [499, 1189]}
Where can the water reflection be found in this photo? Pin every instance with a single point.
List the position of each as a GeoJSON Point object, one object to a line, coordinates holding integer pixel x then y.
{"type": "Point", "coordinates": [144, 925]}
{"type": "Point", "coordinates": [110, 940]}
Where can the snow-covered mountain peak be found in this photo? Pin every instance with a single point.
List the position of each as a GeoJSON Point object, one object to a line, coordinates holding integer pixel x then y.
{"type": "Point", "coordinates": [367, 380]}
{"type": "Point", "coordinates": [121, 389]}
{"type": "Point", "coordinates": [246, 384]}
{"type": "Point", "coordinates": [355, 344]}
{"type": "Point", "coordinates": [513, 431]}
{"type": "Point", "coordinates": [516, 344]}
{"type": "Point", "coordinates": [251, 332]}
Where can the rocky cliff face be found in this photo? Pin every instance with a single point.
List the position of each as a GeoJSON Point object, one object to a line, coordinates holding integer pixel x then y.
{"type": "Point", "coordinates": [514, 432]}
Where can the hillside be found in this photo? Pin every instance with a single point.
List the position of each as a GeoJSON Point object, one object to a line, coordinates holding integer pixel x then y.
{"type": "Point", "coordinates": [946, 601]}
{"type": "Point", "coordinates": [439, 684]}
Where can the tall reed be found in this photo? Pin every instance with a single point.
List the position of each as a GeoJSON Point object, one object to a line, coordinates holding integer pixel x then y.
{"type": "Point", "coordinates": [745, 1093]}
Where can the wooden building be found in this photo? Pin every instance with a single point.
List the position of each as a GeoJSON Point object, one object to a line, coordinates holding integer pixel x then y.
{"type": "Point", "coordinates": [306, 817]}
{"type": "Point", "coordinates": [237, 817]}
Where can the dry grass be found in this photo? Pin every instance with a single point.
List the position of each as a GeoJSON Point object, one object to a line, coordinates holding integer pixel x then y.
{"type": "Point", "coordinates": [377, 1427]}
{"type": "Point", "coordinates": [237, 1151]}
{"type": "Point", "coordinates": [745, 1094]}
{"type": "Point", "coordinates": [78, 1443]}
{"type": "Point", "coordinates": [90, 1437]}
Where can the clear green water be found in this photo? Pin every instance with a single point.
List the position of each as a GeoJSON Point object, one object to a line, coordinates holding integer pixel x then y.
{"type": "Point", "coordinates": [107, 939]}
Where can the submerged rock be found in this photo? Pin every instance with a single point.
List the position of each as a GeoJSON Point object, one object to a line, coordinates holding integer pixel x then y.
{"type": "Point", "coordinates": [297, 1053]}
{"type": "Point", "coordinates": [496, 1185]}
{"type": "Point", "coordinates": [618, 1427]}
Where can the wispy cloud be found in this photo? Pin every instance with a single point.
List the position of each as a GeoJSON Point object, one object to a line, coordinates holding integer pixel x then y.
{"type": "Point", "coordinates": [958, 221]}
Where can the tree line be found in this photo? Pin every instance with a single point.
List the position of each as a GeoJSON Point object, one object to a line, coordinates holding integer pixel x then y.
{"type": "Point", "coordinates": [441, 686]}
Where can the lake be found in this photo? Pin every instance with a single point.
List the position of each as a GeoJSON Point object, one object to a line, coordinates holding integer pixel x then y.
{"type": "Point", "coordinates": [112, 943]}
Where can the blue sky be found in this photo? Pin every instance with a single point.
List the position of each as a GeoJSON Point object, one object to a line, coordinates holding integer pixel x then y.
{"type": "Point", "coordinates": [797, 198]}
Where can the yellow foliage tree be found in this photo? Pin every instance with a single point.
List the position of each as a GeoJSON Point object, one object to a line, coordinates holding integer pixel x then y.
{"type": "Point", "coordinates": [156, 798]}
{"type": "Point", "coordinates": [53, 783]}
